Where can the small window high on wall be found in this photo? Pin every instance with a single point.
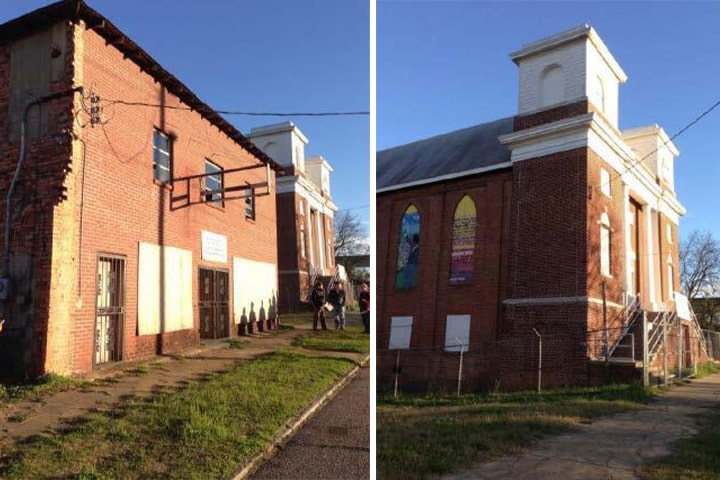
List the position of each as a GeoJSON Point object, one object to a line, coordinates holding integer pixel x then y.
{"type": "Point", "coordinates": [408, 249]}
{"type": "Point", "coordinates": [463, 241]}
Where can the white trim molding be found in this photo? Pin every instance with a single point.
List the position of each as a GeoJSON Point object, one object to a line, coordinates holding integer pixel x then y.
{"type": "Point", "coordinates": [559, 300]}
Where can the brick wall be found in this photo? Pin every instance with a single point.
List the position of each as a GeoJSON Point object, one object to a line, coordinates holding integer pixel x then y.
{"type": "Point", "coordinates": [38, 210]}
{"type": "Point", "coordinates": [113, 203]}
{"type": "Point", "coordinates": [433, 298]}
{"type": "Point", "coordinates": [124, 206]}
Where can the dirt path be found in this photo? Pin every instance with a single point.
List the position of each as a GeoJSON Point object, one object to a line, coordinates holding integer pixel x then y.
{"type": "Point", "coordinates": [27, 418]}
{"type": "Point", "coordinates": [611, 447]}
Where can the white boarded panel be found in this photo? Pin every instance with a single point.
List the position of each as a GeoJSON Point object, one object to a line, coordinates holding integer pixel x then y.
{"type": "Point", "coordinates": [178, 282]}
{"type": "Point", "coordinates": [400, 332]}
{"type": "Point", "coordinates": [148, 289]}
{"type": "Point", "coordinates": [177, 289]}
{"type": "Point", "coordinates": [254, 288]}
{"type": "Point", "coordinates": [457, 329]}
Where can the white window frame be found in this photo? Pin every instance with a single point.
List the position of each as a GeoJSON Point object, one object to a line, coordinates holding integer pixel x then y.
{"type": "Point", "coordinates": [605, 245]}
{"type": "Point", "coordinates": [605, 182]}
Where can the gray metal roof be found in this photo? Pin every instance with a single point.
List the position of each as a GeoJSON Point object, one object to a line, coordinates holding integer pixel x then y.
{"type": "Point", "coordinates": [450, 153]}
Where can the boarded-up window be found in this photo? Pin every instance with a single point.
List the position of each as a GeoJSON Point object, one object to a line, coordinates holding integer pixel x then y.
{"type": "Point", "coordinates": [254, 290]}
{"type": "Point", "coordinates": [408, 248]}
{"type": "Point", "coordinates": [400, 332]}
{"type": "Point", "coordinates": [463, 241]}
{"type": "Point", "coordinates": [457, 333]}
{"type": "Point", "coordinates": [175, 293]}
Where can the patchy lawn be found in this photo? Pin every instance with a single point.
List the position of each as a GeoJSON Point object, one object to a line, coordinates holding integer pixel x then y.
{"type": "Point", "coordinates": [694, 458]}
{"type": "Point", "coordinates": [202, 431]}
{"type": "Point", "coordinates": [697, 458]}
{"type": "Point", "coordinates": [350, 340]}
{"type": "Point", "coordinates": [424, 437]}
{"type": "Point", "coordinates": [36, 390]}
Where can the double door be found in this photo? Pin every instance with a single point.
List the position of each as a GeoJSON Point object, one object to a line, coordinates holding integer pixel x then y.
{"type": "Point", "coordinates": [214, 304]}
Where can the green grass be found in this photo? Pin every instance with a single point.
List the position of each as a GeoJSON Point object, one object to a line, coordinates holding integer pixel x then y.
{"type": "Point", "coordinates": [237, 344]}
{"type": "Point", "coordinates": [203, 431]}
{"type": "Point", "coordinates": [697, 458]}
{"type": "Point", "coordinates": [296, 318]}
{"type": "Point", "coordinates": [350, 340]}
{"type": "Point", "coordinates": [38, 389]}
{"type": "Point", "coordinates": [705, 369]}
{"type": "Point", "coordinates": [424, 437]}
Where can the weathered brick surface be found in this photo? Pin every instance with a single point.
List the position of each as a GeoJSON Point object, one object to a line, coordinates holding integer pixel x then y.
{"type": "Point", "coordinates": [108, 175]}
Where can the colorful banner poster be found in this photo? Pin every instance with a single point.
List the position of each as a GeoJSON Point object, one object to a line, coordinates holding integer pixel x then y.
{"type": "Point", "coordinates": [408, 249]}
{"type": "Point", "coordinates": [463, 241]}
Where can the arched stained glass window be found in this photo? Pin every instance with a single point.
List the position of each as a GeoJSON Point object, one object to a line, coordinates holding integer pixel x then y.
{"type": "Point", "coordinates": [463, 241]}
{"type": "Point", "coordinates": [408, 248]}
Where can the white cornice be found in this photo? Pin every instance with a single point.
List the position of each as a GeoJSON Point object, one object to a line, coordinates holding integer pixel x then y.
{"type": "Point", "coordinates": [583, 31]}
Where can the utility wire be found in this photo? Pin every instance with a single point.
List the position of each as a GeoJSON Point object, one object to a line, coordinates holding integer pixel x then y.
{"type": "Point", "coordinates": [237, 112]}
{"type": "Point", "coordinates": [680, 132]}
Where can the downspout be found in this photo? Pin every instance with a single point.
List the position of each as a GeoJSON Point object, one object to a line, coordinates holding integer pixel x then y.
{"type": "Point", "coordinates": [18, 168]}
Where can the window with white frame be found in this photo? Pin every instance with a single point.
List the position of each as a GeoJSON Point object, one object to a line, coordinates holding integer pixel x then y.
{"type": "Point", "coordinates": [671, 277]}
{"type": "Point", "coordinates": [605, 244]}
{"type": "Point", "coordinates": [605, 182]}
{"type": "Point", "coordinates": [668, 233]}
{"type": "Point", "coordinates": [303, 242]}
{"type": "Point", "coordinates": [212, 189]}
{"type": "Point", "coordinates": [162, 157]}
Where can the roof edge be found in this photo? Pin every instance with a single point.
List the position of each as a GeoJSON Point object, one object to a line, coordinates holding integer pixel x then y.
{"type": "Point", "coordinates": [76, 11]}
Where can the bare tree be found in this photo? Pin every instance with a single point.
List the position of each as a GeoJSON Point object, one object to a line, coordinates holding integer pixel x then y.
{"type": "Point", "coordinates": [350, 242]}
{"type": "Point", "coordinates": [699, 264]}
{"type": "Point", "coordinates": [350, 236]}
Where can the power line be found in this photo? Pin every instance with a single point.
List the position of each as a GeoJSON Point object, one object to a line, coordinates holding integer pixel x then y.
{"type": "Point", "coordinates": [238, 112]}
{"type": "Point", "coordinates": [680, 132]}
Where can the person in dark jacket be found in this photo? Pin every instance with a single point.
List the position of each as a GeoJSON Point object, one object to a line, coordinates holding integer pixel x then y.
{"type": "Point", "coordinates": [336, 298]}
{"type": "Point", "coordinates": [364, 299]}
{"type": "Point", "coordinates": [317, 299]}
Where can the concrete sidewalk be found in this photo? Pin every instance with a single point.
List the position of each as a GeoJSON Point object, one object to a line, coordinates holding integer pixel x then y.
{"type": "Point", "coordinates": [24, 419]}
{"type": "Point", "coordinates": [335, 444]}
{"type": "Point", "coordinates": [611, 447]}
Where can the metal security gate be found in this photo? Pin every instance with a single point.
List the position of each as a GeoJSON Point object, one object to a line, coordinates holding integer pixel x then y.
{"type": "Point", "coordinates": [214, 307]}
{"type": "Point", "coordinates": [109, 309]}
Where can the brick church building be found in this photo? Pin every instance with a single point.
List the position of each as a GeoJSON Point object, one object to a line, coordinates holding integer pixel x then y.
{"type": "Point", "coordinates": [551, 224]}
{"type": "Point", "coordinates": [138, 221]}
{"type": "Point", "coordinates": [305, 212]}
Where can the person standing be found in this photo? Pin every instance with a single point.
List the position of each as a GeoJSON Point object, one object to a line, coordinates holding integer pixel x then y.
{"type": "Point", "coordinates": [317, 299]}
{"type": "Point", "coordinates": [365, 307]}
{"type": "Point", "coordinates": [336, 297]}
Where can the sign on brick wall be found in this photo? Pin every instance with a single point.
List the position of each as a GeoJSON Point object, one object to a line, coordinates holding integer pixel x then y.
{"type": "Point", "coordinates": [214, 247]}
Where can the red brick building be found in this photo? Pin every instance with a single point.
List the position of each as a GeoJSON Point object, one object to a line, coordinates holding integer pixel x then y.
{"type": "Point", "coordinates": [123, 242]}
{"type": "Point", "coordinates": [552, 223]}
{"type": "Point", "coordinates": [305, 212]}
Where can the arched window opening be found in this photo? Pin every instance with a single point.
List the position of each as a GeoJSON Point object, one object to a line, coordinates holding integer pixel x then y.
{"type": "Point", "coordinates": [463, 241]}
{"type": "Point", "coordinates": [408, 249]}
{"type": "Point", "coordinates": [552, 86]}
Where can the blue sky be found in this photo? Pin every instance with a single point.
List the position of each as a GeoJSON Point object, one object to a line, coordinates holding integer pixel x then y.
{"type": "Point", "coordinates": [444, 65]}
{"type": "Point", "coordinates": [264, 55]}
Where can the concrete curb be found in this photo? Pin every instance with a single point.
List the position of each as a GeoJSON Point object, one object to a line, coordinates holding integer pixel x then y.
{"type": "Point", "coordinates": [287, 432]}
